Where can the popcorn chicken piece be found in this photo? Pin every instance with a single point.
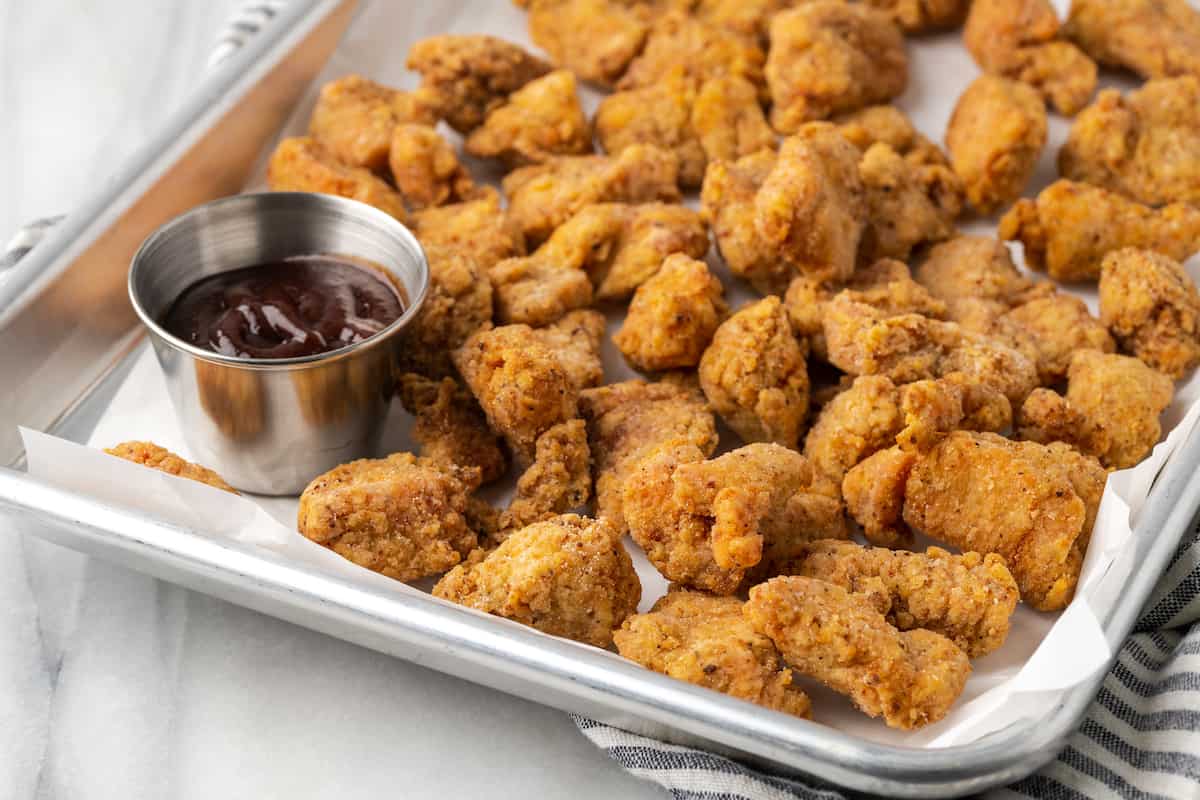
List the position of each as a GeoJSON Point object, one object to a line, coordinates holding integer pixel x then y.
{"type": "Point", "coordinates": [540, 120]}
{"type": "Point", "coordinates": [595, 39]}
{"type": "Point", "coordinates": [576, 341]}
{"type": "Point", "coordinates": [728, 120]}
{"type": "Point", "coordinates": [1145, 145]}
{"type": "Point", "coordinates": [300, 164]}
{"type": "Point", "coordinates": [1058, 324]}
{"type": "Point", "coordinates": [401, 516]}
{"type": "Point", "coordinates": [354, 119]}
{"type": "Point", "coordinates": [728, 207]}
{"type": "Point", "coordinates": [475, 228]}
{"type": "Point", "coordinates": [1020, 40]}
{"type": "Point", "coordinates": [874, 492]}
{"type": "Point", "coordinates": [968, 598]}
{"type": "Point", "coordinates": [888, 125]}
{"type": "Point", "coordinates": [559, 479]}
{"type": "Point", "coordinates": [921, 16]}
{"type": "Point", "coordinates": [995, 135]}
{"type": "Point", "coordinates": [534, 290]}
{"type": "Point", "coordinates": [829, 57]}
{"type": "Point", "coordinates": [626, 420]}
{"type": "Point", "coordinates": [457, 303]}
{"type": "Point", "coordinates": [1046, 417]}
{"type": "Point", "coordinates": [520, 384]}
{"type": "Point", "coordinates": [568, 576]}
{"type": "Point", "coordinates": [658, 114]}
{"type": "Point", "coordinates": [1151, 305]}
{"type": "Point", "coordinates": [543, 196]}
{"type": "Point", "coordinates": [673, 316]}
{"type": "Point", "coordinates": [907, 204]}
{"type": "Point", "coordinates": [755, 376]}
{"type": "Point", "coordinates": [855, 424]}
{"type": "Point", "coordinates": [706, 640]}
{"type": "Point", "coordinates": [981, 492]}
{"type": "Point", "coordinates": [148, 454]}
{"type": "Point", "coordinates": [909, 678]}
{"type": "Point", "coordinates": [971, 267]}
{"type": "Point", "coordinates": [1154, 38]}
{"type": "Point", "coordinates": [450, 427]}
{"type": "Point", "coordinates": [678, 40]}
{"type": "Point", "coordinates": [472, 75]}
{"type": "Point", "coordinates": [1070, 227]}
{"type": "Point", "coordinates": [426, 168]}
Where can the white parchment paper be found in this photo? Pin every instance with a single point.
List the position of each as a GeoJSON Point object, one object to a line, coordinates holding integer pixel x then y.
{"type": "Point", "coordinates": [1045, 653]}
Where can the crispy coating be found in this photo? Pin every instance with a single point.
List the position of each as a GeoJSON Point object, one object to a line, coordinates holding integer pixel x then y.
{"type": "Point", "coordinates": [889, 125]}
{"type": "Point", "coordinates": [874, 492]}
{"type": "Point", "coordinates": [855, 424]}
{"type": "Point", "coordinates": [626, 420]}
{"type": "Point", "coordinates": [971, 267]}
{"type": "Point", "coordinates": [706, 640]}
{"type": "Point", "coordinates": [520, 384]}
{"type": "Point", "coordinates": [401, 516]}
{"type": "Point", "coordinates": [967, 598]}
{"type": "Point", "coordinates": [300, 164]}
{"type": "Point", "coordinates": [475, 229]}
{"type": "Point", "coordinates": [828, 57]}
{"type": "Point", "coordinates": [540, 120]}
{"type": "Point", "coordinates": [1145, 144]}
{"type": "Point", "coordinates": [982, 492]}
{"type": "Point", "coordinates": [355, 118]}
{"type": "Point", "coordinates": [576, 340]}
{"type": "Point", "coordinates": [567, 576]}
{"type": "Point", "coordinates": [1058, 324]}
{"type": "Point", "coordinates": [1070, 227]}
{"type": "Point", "coordinates": [909, 678]}
{"type": "Point", "coordinates": [1020, 40]}
{"type": "Point", "coordinates": [426, 169]}
{"type": "Point", "coordinates": [1154, 38]}
{"type": "Point", "coordinates": [450, 427]}
{"type": "Point", "coordinates": [728, 120]}
{"type": "Point", "coordinates": [1047, 417]}
{"type": "Point", "coordinates": [672, 317]}
{"type": "Point", "coordinates": [995, 135]}
{"type": "Point", "coordinates": [747, 17]}
{"type": "Point", "coordinates": [703, 51]}
{"type": "Point", "coordinates": [755, 376]}
{"type": "Point", "coordinates": [559, 479]}
{"type": "Point", "coordinates": [457, 303]}
{"type": "Point", "coordinates": [148, 454]}
{"type": "Point", "coordinates": [1151, 305]}
{"type": "Point", "coordinates": [543, 196]}
{"type": "Point", "coordinates": [535, 290]}
{"type": "Point", "coordinates": [595, 39]}
{"type": "Point", "coordinates": [621, 246]}
{"type": "Point", "coordinates": [728, 207]}
{"type": "Point", "coordinates": [472, 75]}
{"type": "Point", "coordinates": [921, 16]}
{"type": "Point", "coordinates": [907, 204]}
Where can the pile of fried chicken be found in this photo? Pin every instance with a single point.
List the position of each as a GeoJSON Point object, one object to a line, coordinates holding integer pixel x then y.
{"type": "Point", "coordinates": [895, 378]}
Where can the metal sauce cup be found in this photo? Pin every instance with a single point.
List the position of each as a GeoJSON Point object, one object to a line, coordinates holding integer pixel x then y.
{"type": "Point", "coordinates": [270, 426]}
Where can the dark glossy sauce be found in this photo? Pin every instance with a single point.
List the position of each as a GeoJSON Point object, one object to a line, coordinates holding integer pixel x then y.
{"type": "Point", "coordinates": [286, 309]}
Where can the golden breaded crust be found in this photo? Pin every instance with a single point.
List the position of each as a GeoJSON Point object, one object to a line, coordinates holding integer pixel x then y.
{"type": "Point", "coordinates": [535, 290]}
{"type": "Point", "coordinates": [559, 479]}
{"type": "Point", "coordinates": [889, 125]}
{"type": "Point", "coordinates": [401, 516]}
{"type": "Point", "coordinates": [476, 229]}
{"type": "Point", "coordinates": [704, 52]}
{"type": "Point", "coordinates": [426, 169]}
{"type": "Point", "coordinates": [300, 164]}
{"type": "Point", "coordinates": [355, 118]}
{"type": "Point", "coordinates": [977, 267]}
{"type": "Point", "coordinates": [575, 340]}
{"type": "Point", "coordinates": [728, 120]}
{"type": "Point", "coordinates": [874, 492]}
{"type": "Point", "coordinates": [1059, 324]}
{"type": "Point", "coordinates": [457, 303]}
{"type": "Point", "coordinates": [567, 576]}
{"type": "Point", "coordinates": [707, 641]}
{"type": "Point", "coordinates": [1151, 305]}
{"type": "Point", "coordinates": [542, 119]}
{"type": "Point", "coordinates": [450, 428]}
{"type": "Point", "coordinates": [148, 454]}
{"type": "Point", "coordinates": [595, 39]}
{"type": "Point", "coordinates": [921, 16]}
{"type": "Point", "coordinates": [907, 204]}
{"type": "Point", "coordinates": [1154, 38]}
{"type": "Point", "coordinates": [856, 423]}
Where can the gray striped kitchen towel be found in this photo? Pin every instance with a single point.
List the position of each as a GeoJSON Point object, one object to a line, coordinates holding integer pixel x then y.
{"type": "Point", "coordinates": [1140, 738]}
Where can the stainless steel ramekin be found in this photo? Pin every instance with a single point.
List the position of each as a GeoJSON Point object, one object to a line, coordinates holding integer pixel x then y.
{"type": "Point", "coordinates": [269, 426]}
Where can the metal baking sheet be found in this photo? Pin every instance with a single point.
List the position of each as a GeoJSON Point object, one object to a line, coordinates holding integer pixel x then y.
{"type": "Point", "coordinates": [63, 385]}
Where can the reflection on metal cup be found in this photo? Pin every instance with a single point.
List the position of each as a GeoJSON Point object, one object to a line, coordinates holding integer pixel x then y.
{"type": "Point", "coordinates": [270, 425]}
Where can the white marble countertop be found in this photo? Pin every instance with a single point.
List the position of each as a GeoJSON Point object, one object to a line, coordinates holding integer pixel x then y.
{"type": "Point", "coordinates": [115, 685]}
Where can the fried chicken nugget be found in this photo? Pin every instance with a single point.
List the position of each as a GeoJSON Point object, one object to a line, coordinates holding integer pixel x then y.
{"type": "Point", "coordinates": [679, 40]}
{"type": "Point", "coordinates": [728, 120]}
{"type": "Point", "coordinates": [971, 267]}
{"type": "Point", "coordinates": [476, 229]}
{"type": "Point", "coordinates": [982, 492]}
{"type": "Point", "coordinates": [595, 39]}
{"type": "Point", "coordinates": [543, 196]}
{"type": "Point", "coordinates": [909, 678]}
{"type": "Point", "coordinates": [450, 427]}
{"type": "Point", "coordinates": [829, 57]}
{"type": "Point", "coordinates": [355, 118]}
{"type": "Point", "coordinates": [559, 479]}
{"type": "Point", "coordinates": [576, 340]}
{"type": "Point", "coordinates": [1019, 39]}
{"type": "Point", "coordinates": [1145, 144]}
{"type": "Point", "coordinates": [568, 576]}
{"type": "Point", "coordinates": [747, 17]}
{"type": "Point", "coordinates": [874, 493]}
{"type": "Point", "coordinates": [907, 204]}
{"type": "Point", "coordinates": [148, 454]}
{"type": "Point", "coordinates": [755, 375]}
{"type": "Point", "coordinates": [520, 384]}
{"type": "Point", "coordinates": [426, 169]}
{"type": "Point", "coordinates": [472, 75]}
{"type": "Point", "coordinates": [855, 424]}
{"type": "Point", "coordinates": [672, 317]}
{"type": "Point", "coordinates": [888, 125]}
{"type": "Point", "coordinates": [1154, 38]}
{"type": "Point", "coordinates": [401, 516]}
{"type": "Point", "coordinates": [300, 164]}
{"type": "Point", "coordinates": [995, 135]}
{"type": "Point", "coordinates": [626, 420]}
{"type": "Point", "coordinates": [1070, 227]}
{"type": "Point", "coordinates": [542, 119]}
{"type": "Point", "coordinates": [457, 303]}
{"type": "Point", "coordinates": [921, 16]}
{"type": "Point", "coordinates": [968, 598]}
{"type": "Point", "coordinates": [706, 640]}
{"type": "Point", "coordinates": [535, 290]}
{"type": "Point", "coordinates": [1151, 305]}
